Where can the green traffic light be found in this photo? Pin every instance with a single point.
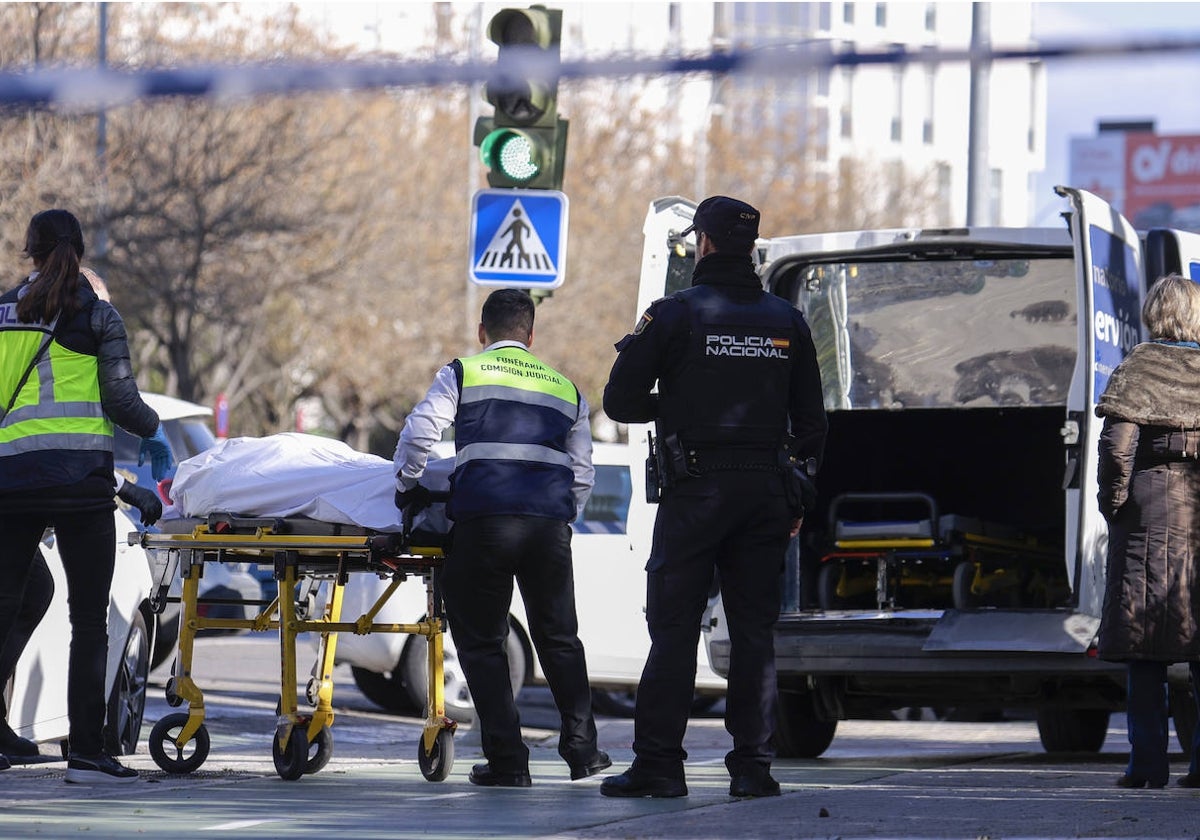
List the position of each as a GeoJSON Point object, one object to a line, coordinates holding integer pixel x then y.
{"type": "Point", "coordinates": [513, 153]}
{"type": "Point", "coordinates": [523, 143]}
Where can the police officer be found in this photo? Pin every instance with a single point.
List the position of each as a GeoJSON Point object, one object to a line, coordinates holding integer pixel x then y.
{"type": "Point", "coordinates": [739, 402]}
{"type": "Point", "coordinates": [523, 471]}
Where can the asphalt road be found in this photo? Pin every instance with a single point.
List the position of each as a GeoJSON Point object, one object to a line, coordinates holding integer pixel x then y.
{"type": "Point", "coordinates": [879, 779]}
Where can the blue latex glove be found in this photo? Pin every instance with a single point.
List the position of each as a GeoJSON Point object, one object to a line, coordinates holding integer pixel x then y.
{"type": "Point", "coordinates": [159, 450]}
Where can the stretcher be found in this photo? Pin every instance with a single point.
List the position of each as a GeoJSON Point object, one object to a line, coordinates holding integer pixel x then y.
{"type": "Point", "coordinates": [916, 558]}
{"type": "Point", "coordinates": [304, 554]}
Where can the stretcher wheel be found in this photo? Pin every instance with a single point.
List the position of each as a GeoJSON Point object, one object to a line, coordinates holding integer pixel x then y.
{"type": "Point", "coordinates": [960, 589]}
{"type": "Point", "coordinates": [435, 765]}
{"type": "Point", "coordinates": [827, 584]}
{"type": "Point", "coordinates": [291, 762]}
{"type": "Point", "coordinates": [319, 751]}
{"type": "Point", "coordinates": [168, 755]}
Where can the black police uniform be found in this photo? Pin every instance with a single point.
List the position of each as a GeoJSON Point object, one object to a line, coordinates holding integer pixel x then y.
{"type": "Point", "coordinates": [736, 372]}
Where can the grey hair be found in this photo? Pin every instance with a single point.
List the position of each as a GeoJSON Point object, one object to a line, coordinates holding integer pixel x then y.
{"type": "Point", "coordinates": [1172, 309]}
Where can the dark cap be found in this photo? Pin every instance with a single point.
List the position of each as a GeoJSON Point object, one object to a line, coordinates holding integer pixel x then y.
{"type": "Point", "coordinates": [729, 223]}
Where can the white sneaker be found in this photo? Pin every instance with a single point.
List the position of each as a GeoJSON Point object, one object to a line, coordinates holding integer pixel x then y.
{"type": "Point", "coordinates": [98, 770]}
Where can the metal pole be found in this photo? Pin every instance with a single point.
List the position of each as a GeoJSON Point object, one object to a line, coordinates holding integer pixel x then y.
{"type": "Point", "coordinates": [101, 244]}
{"type": "Point", "coordinates": [470, 299]}
{"type": "Point", "coordinates": [977, 137]}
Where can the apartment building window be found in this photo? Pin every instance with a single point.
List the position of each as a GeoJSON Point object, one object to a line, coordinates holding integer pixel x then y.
{"type": "Point", "coordinates": [927, 126]}
{"type": "Point", "coordinates": [824, 16]}
{"type": "Point", "coordinates": [897, 103]}
{"type": "Point", "coordinates": [945, 188]}
{"type": "Point", "coordinates": [1035, 95]}
{"type": "Point", "coordinates": [847, 127]}
{"type": "Point", "coordinates": [995, 195]}
{"type": "Point", "coordinates": [930, 17]}
{"type": "Point", "coordinates": [881, 14]}
{"type": "Point", "coordinates": [848, 12]}
{"type": "Point", "coordinates": [820, 136]}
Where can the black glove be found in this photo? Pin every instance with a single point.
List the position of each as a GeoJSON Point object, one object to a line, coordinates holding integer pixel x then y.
{"type": "Point", "coordinates": [417, 497]}
{"type": "Point", "coordinates": [144, 500]}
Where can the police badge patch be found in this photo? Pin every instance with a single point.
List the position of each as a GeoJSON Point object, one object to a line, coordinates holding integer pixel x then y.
{"type": "Point", "coordinates": [643, 322]}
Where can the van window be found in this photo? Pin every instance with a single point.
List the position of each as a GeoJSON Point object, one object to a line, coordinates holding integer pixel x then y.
{"type": "Point", "coordinates": [607, 510]}
{"type": "Point", "coordinates": [947, 333]}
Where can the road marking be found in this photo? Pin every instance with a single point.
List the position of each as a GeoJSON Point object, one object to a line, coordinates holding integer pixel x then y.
{"type": "Point", "coordinates": [236, 824]}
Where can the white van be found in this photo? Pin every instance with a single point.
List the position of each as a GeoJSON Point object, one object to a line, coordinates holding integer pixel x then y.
{"type": "Point", "coordinates": [610, 546]}
{"type": "Point", "coordinates": [956, 554]}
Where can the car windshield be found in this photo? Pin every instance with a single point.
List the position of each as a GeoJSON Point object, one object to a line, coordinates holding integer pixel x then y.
{"type": "Point", "coordinates": [188, 436]}
{"type": "Point", "coordinates": [949, 333]}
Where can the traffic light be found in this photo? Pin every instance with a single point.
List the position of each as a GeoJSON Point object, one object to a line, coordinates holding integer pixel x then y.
{"type": "Point", "coordinates": [524, 143]}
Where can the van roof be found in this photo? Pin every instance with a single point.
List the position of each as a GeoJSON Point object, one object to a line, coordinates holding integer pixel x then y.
{"type": "Point", "coordinates": [904, 238]}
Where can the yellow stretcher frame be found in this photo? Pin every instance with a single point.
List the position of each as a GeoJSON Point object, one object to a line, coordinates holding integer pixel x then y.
{"type": "Point", "coordinates": [303, 742]}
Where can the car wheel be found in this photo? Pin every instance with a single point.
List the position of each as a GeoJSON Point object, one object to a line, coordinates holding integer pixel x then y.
{"type": "Point", "coordinates": [621, 702]}
{"type": "Point", "coordinates": [616, 702]}
{"type": "Point", "coordinates": [1183, 711]}
{"type": "Point", "coordinates": [1063, 730]}
{"type": "Point", "coordinates": [799, 730]}
{"type": "Point", "coordinates": [127, 702]}
{"type": "Point", "coordinates": [385, 690]}
{"type": "Point", "coordinates": [459, 705]}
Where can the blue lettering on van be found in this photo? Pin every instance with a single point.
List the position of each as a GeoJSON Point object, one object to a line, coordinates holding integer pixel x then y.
{"type": "Point", "coordinates": [1116, 303]}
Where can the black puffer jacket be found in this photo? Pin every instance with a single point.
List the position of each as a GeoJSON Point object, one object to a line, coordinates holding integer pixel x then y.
{"type": "Point", "coordinates": [1149, 491]}
{"type": "Point", "coordinates": [79, 480]}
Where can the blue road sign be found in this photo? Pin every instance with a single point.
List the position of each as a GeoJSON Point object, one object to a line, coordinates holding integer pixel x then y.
{"type": "Point", "coordinates": [519, 238]}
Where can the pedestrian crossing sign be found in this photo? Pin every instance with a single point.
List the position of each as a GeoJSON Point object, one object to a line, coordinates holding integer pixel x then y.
{"type": "Point", "coordinates": [518, 238]}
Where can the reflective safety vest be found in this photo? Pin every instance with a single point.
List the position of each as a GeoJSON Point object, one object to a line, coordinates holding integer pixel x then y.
{"type": "Point", "coordinates": [58, 408]}
{"type": "Point", "coordinates": [514, 418]}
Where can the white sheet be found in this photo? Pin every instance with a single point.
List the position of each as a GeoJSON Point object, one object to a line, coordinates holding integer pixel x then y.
{"type": "Point", "coordinates": [294, 474]}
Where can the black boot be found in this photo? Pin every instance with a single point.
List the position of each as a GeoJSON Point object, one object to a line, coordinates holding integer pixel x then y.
{"type": "Point", "coordinates": [12, 744]}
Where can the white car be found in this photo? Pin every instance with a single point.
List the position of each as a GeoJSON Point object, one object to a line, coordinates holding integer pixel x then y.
{"type": "Point", "coordinates": [610, 546]}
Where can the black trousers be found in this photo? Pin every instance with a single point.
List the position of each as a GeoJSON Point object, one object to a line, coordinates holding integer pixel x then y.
{"type": "Point", "coordinates": [486, 554]}
{"type": "Point", "coordinates": [1146, 720]}
{"type": "Point", "coordinates": [87, 545]}
{"type": "Point", "coordinates": [733, 524]}
{"type": "Point", "coordinates": [35, 600]}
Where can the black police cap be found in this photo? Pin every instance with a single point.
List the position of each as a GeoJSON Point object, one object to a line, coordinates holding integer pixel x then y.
{"type": "Point", "coordinates": [730, 223]}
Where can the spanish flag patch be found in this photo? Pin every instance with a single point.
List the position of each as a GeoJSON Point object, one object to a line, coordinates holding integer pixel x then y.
{"type": "Point", "coordinates": [643, 322]}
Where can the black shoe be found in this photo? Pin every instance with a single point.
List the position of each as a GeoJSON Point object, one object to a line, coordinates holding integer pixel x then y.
{"type": "Point", "coordinates": [1191, 780]}
{"type": "Point", "coordinates": [98, 770]}
{"type": "Point", "coordinates": [4, 762]}
{"type": "Point", "coordinates": [600, 761]}
{"type": "Point", "coordinates": [1127, 781]}
{"type": "Point", "coordinates": [634, 783]}
{"type": "Point", "coordinates": [13, 744]}
{"type": "Point", "coordinates": [752, 785]}
{"type": "Point", "coordinates": [483, 775]}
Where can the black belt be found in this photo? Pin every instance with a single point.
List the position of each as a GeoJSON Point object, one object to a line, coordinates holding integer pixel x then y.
{"type": "Point", "coordinates": [701, 461]}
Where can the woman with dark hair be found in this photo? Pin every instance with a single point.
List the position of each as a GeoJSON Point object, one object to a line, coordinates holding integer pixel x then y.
{"type": "Point", "coordinates": [65, 378]}
{"type": "Point", "coordinates": [1149, 492]}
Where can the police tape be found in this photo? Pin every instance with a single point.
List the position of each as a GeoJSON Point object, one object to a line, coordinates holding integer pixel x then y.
{"type": "Point", "coordinates": [103, 86]}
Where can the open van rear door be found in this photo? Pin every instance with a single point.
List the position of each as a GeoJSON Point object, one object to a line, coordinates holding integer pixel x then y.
{"type": "Point", "coordinates": [1172, 252]}
{"type": "Point", "coordinates": [1109, 263]}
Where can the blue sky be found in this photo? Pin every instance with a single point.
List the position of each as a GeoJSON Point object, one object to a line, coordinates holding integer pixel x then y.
{"type": "Point", "coordinates": [1082, 91]}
